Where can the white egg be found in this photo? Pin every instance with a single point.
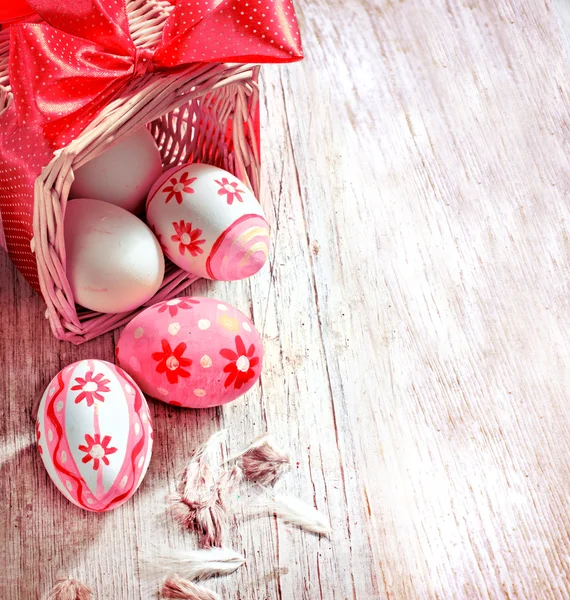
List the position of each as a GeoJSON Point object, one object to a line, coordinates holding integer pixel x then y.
{"type": "Point", "coordinates": [123, 174]}
{"type": "Point", "coordinates": [114, 262]}
{"type": "Point", "coordinates": [208, 222]}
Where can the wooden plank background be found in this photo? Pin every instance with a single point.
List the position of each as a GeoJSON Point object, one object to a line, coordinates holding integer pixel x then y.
{"type": "Point", "coordinates": [416, 318]}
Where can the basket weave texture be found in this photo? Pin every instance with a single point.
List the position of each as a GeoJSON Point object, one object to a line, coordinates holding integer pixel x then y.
{"type": "Point", "coordinates": [201, 113]}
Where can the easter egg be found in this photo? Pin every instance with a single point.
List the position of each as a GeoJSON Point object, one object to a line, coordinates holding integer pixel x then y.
{"type": "Point", "coordinates": [193, 352]}
{"type": "Point", "coordinates": [114, 261]}
{"type": "Point", "coordinates": [94, 434]}
{"type": "Point", "coordinates": [208, 222]}
{"type": "Point", "coordinates": [123, 174]}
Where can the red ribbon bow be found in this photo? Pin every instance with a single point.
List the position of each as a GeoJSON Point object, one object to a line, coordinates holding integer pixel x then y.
{"type": "Point", "coordinates": [63, 71]}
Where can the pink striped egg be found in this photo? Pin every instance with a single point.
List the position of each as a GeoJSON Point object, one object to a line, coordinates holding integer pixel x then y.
{"type": "Point", "coordinates": [193, 352]}
{"type": "Point", "coordinates": [94, 434]}
{"type": "Point", "coordinates": [208, 222]}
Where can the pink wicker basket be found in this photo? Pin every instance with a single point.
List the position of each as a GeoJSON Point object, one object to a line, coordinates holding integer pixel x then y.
{"type": "Point", "coordinates": [201, 113]}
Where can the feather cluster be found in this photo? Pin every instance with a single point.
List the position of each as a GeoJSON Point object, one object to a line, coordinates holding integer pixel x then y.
{"type": "Point", "coordinates": [182, 589]}
{"type": "Point", "coordinates": [264, 463]}
{"type": "Point", "coordinates": [70, 589]}
{"type": "Point", "coordinates": [199, 504]}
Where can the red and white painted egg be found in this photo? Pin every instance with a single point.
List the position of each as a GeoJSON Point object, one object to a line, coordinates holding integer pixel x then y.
{"type": "Point", "coordinates": [94, 434]}
{"type": "Point", "coordinates": [193, 352]}
{"type": "Point", "coordinates": [208, 222]}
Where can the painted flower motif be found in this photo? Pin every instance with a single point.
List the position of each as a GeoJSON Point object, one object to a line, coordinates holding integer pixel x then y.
{"type": "Point", "coordinates": [231, 189]}
{"type": "Point", "coordinates": [187, 238]}
{"type": "Point", "coordinates": [172, 306]}
{"type": "Point", "coordinates": [177, 186]}
{"type": "Point", "coordinates": [92, 388]}
{"type": "Point", "coordinates": [172, 362]}
{"type": "Point", "coordinates": [158, 236]}
{"type": "Point", "coordinates": [97, 450]}
{"type": "Point", "coordinates": [38, 437]}
{"type": "Point", "coordinates": [240, 367]}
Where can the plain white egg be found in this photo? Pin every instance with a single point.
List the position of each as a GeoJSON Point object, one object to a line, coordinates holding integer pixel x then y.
{"type": "Point", "coordinates": [114, 261]}
{"type": "Point", "coordinates": [123, 174]}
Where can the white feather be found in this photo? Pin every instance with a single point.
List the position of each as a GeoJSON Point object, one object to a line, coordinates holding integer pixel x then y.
{"type": "Point", "coordinates": [192, 564]}
{"type": "Point", "coordinates": [295, 511]}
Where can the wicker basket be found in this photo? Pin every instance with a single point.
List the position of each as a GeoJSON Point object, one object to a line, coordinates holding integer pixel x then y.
{"type": "Point", "coordinates": [203, 113]}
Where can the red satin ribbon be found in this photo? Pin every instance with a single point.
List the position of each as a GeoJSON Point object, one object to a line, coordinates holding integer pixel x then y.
{"type": "Point", "coordinates": [14, 10]}
{"type": "Point", "coordinates": [65, 70]}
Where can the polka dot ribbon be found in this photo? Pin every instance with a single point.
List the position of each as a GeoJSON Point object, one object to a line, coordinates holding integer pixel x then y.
{"type": "Point", "coordinates": [64, 70]}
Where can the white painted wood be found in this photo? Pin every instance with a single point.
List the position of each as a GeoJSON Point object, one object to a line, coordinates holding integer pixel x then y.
{"type": "Point", "coordinates": [415, 316]}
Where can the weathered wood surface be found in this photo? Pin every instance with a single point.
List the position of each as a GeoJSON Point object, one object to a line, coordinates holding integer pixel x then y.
{"type": "Point", "coordinates": [416, 318]}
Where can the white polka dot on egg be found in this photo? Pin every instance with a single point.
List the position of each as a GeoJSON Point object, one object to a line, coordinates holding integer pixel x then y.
{"type": "Point", "coordinates": [206, 361]}
{"type": "Point", "coordinates": [204, 324]}
{"type": "Point", "coordinates": [174, 328]}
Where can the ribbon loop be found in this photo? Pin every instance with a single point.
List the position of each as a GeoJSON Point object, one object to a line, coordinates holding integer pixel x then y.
{"type": "Point", "coordinates": [65, 70]}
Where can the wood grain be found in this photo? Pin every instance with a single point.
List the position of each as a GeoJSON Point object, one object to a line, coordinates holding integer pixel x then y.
{"type": "Point", "coordinates": [416, 319]}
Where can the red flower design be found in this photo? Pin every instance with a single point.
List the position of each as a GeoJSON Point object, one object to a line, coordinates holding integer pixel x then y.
{"type": "Point", "coordinates": [240, 367]}
{"type": "Point", "coordinates": [158, 236]}
{"type": "Point", "coordinates": [96, 450]}
{"type": "Point", "coordinates": [172, 361]}
{"type": "Point", "coordinates": [230, 188]}
{"type": "Point", "coordinates": [173, 305]}
{"type": "Point", "coordinates": [38, 436]}
{"type": "Point", "coordinates": [187, 238]}
{"type": "Point", "coordinates": [178, 186]}
{"type": "Point", "coordinates": [91, 388]}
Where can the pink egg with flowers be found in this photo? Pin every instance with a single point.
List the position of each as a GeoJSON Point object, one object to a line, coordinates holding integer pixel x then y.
{"type": "Point", "coordinates": [94, 434]}
{"type": "Point", "coordinates": [193, 352]}
{"type": "Point", "coordinates": [208, 222]}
